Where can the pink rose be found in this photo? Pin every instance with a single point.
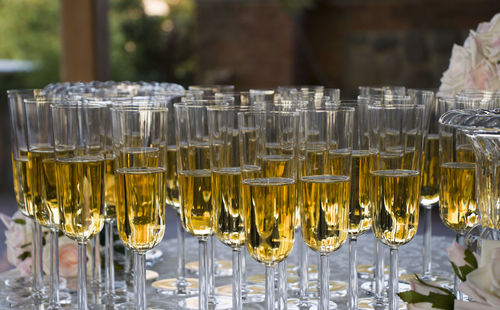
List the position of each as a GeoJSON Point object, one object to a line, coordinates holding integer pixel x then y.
{"type": "Point", "coordinates": [24, 267]}
{"type": "Point", "coordinates": [479, 77]}
{"type": "Point", "coordinates": [68, 257]}
{"type": "Point", "coordinates": [456, 254]}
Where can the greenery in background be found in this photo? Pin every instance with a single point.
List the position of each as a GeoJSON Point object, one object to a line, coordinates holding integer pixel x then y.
{"type": "Point", "coordinates": [30, 31]}
{"type": "Point", "coordinates": [150, 48]}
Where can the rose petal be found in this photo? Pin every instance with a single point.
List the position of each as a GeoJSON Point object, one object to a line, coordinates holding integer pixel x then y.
{"type": "Point", "coordinates": [468, 305]}
{"type": "Point", "coordinates": [456, 254]}
{"type": "Point", "coordinates": [487, 248]}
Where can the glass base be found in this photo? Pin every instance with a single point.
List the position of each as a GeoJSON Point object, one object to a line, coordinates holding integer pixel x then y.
{"type": "Point", "coordinates": [170, 287]}
{"type": "Point", "coordinates": [223, 268]}
{"type": "Point", "coordinates": [18, 282]}
{"type": "Point", "coordinates": [438, 279]}
{"type": "Point", "coordinates": [252, 294]}
{"type": "Point", "coordinates": [371, 303]}
{"type": "Point", "coordinates": [368, 288]}
{"type": "Point", "coordinates": [366, 271]}
{"type": "Point", "coordinates": [338, 289]}
{"type": "Point", "coordinates": [310, 304]}
{"type": "Point", "coordinates": [192, 303]}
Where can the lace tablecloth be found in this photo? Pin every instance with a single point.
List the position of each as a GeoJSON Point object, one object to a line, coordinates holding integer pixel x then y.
{"type": "Point", "coordinates": [410, 258]}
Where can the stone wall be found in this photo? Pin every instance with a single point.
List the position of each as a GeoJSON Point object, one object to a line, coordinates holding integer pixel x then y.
{"type": "Point", "coordinates": [338, 43]}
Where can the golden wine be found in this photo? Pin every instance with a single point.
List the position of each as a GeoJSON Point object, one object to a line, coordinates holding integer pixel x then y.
{"type": "Point", "coordinates": [110, 189]}
{"type": "Point", "coordinates": [430, 171]}
{"type": "Point", "coordinates": [172, 194]}
{"type": "Point", "coordinates": [80, 193]}
{"type": "Point", "coordinates": [140, 207]}
{"type": "Point", "coordinates": [198, 156]}
{"type": "Point", "coordinates": [196, 202]}
{"type": "Point", "coordinates": [277, 166]}
{"type": "Point", "coordinates": [19, 170]}
{"type": "Point", "coordinates": [395, 205]}
{"type": "Point", "coordinates": [226, 187]}
{"type": "Point", "coordinates": [269, 216]}
{"type": "Point", "coordinates": [339, 162]}
{"type": "Point", "coordinates": [360, 219]}
{"type": "Point", "coordinates": [465, 153]}
{"type": "Point", "coordinates": [42, 170]}
{"type": "Point", "coordinates": [325, 210]}
{"type": "Point", "coordinates": [139, 157]}
{"type": "Point", "coordinates": [457, 196]}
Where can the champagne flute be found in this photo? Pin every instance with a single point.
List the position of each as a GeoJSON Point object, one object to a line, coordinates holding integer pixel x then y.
{"type": "Point", "coordinates": [396, 152]}
{"type": "Point", "coordinates": [193, 169]}
{"type": "Point", "coordinates": [183, 286]}
{"type": "Point", "coordinates": [140, 148]}
{"type": "Point", "coordinates": [457, 186]}
{"type": "Point", "coordinates": [209, 92]}
{"type": "Point", "coordinates": [359, 208]}
{"type": "Point", "coordinates": [19, 147]}
{"type": "Point", "coordinates": [226, 187]}
{"type": "Point", "coordinates": [324, 184]}
{"type": "Point", "coordinates": [79, 140]}
{"type": "Point", "coordinates": [42, 172]}
{"type": "Point", "coordinates": [268, 142]}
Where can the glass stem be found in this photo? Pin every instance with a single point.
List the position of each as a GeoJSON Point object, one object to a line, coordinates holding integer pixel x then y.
{"type": "Point", "coordinates": [393, 280]}
{"type": "Point", "coordinates": [82, 276]}
{"type": "Point", "coordinates": [379, 271]}
{"type": "Point", "coordinates": [54, 268]}
{"type": "Point", "coordinates": [109, 264]}
{"type": "Point", "coordinates": [181, 260]}
{"type": "Point", "coordinates": [427, 247]}
{"type": "Point", "coordinates": [140, 280]}
{"type": "Point", "coordinates": [237, 301]}
{"type": "Point", "coordinates": [244, 289]}
{"type": "Point", "coordinates": [202, 270]}
{"type": "Point", "coordinates": [460, 238]}
{"type": "Point", "coordinates": [95, 261]}
{"type": "Point", "coordinates": [211, 271]}
{"type": "Point", "coordinates": [282, 286]}
{"type": "Point", "coordinates": [324, 295]}
{"type": "Point", "coordinates": [37, 261]}
{"type": "Point", "coordinates": [269, 299]}
{"type": "Point", "coordinates": [353, 273]}
{"type": "Point", "coordinates": [303, 272]}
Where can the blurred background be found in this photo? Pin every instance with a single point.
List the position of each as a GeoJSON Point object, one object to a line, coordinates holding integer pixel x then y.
{"type": "Point", "coordinates": [248, 43]}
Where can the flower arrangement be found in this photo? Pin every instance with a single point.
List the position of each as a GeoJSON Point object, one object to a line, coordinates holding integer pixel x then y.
{"type": "Point", "coordinates": [481, 281]}
{"type": "Point", "coordinates": [19, 238]}
{"type": "Point", "coordinates": [476, 64]}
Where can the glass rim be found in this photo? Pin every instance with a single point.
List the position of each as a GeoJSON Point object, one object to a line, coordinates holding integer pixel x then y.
{"type": "Point", "coordinates": [328, 109]}
{"type": "Point", "coordinates": [138, 108]}
{"type": "Point", "coordinates": [242, 108]}
{"type": "Point", "coordinates": [77, 105]}
{"type": "Point", "coordinates": [264, 112]}
{"type": "Point", "coordinates": [25, 91]}
{"type": "Point", "coordinates": [403, 106]}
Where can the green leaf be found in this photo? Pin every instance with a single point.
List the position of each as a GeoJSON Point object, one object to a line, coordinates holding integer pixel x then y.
{"type": "Point", "coordinates": [25, 245]}
{"type": "Point", "coordinates": [465, 270]}
{"type": "Point", "coordinates": [24, 255]}
{"type": "Point", "coordinates": [437, 301]}
{"type": "Point", "coordinates": [447, 292]}
{"type": "Point", "coordinates": [60, 233]}
{"type": "Point", "coordinates": [457, 272]}
{"type": "Point", "coordinates": [470, 258]}
{"type": "Point", "coordinates": [20, 221]}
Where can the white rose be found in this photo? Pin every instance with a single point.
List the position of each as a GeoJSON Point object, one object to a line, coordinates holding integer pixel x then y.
{"type": "Point", "coordinates": [468, 305]}
{"type": "Point", "coordinates": [483, 284]}
{"type": "Point", "coordinates": [18, 237]}
{"type": "Point", "coordinates": [68, 257]}
{"type": "Point", "coordinates": [488, 37]}
{"type": "Point", "coordinates": [481, 76]}
{"type": "Point", "coordinates": [453, 78]}
{"type": "Point", "coordinates": [424, 290]}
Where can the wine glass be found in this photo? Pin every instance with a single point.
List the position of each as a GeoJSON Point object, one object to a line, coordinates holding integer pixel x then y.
{"type": "Point", "coordinates": [268, 162]}
{"type": "Point", "coordinates": [140, 148]}
{"type": "Point", "coordinates": [42, 174]}
{"type": "Point", "coordinates": [359, 208]}
{"type": "Point", "coordinates": [209, 92]}
{"type": "Point", "coordinates": [325, 151]}
{"type": "Point", "coordinates": [193, 170]}
{"type": "Point", "coordinates": [79, 141]}
{"type": "Point", "coordinates": [457, 186]}
{"type": "Point", "coordinates": [396, 150]}
{"type": "Point", "coordinates": [19, 147]}
{"type": "Point", "coordinates": [181, 286]}
{"type": "Point", "coordinates": [226, 187]}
